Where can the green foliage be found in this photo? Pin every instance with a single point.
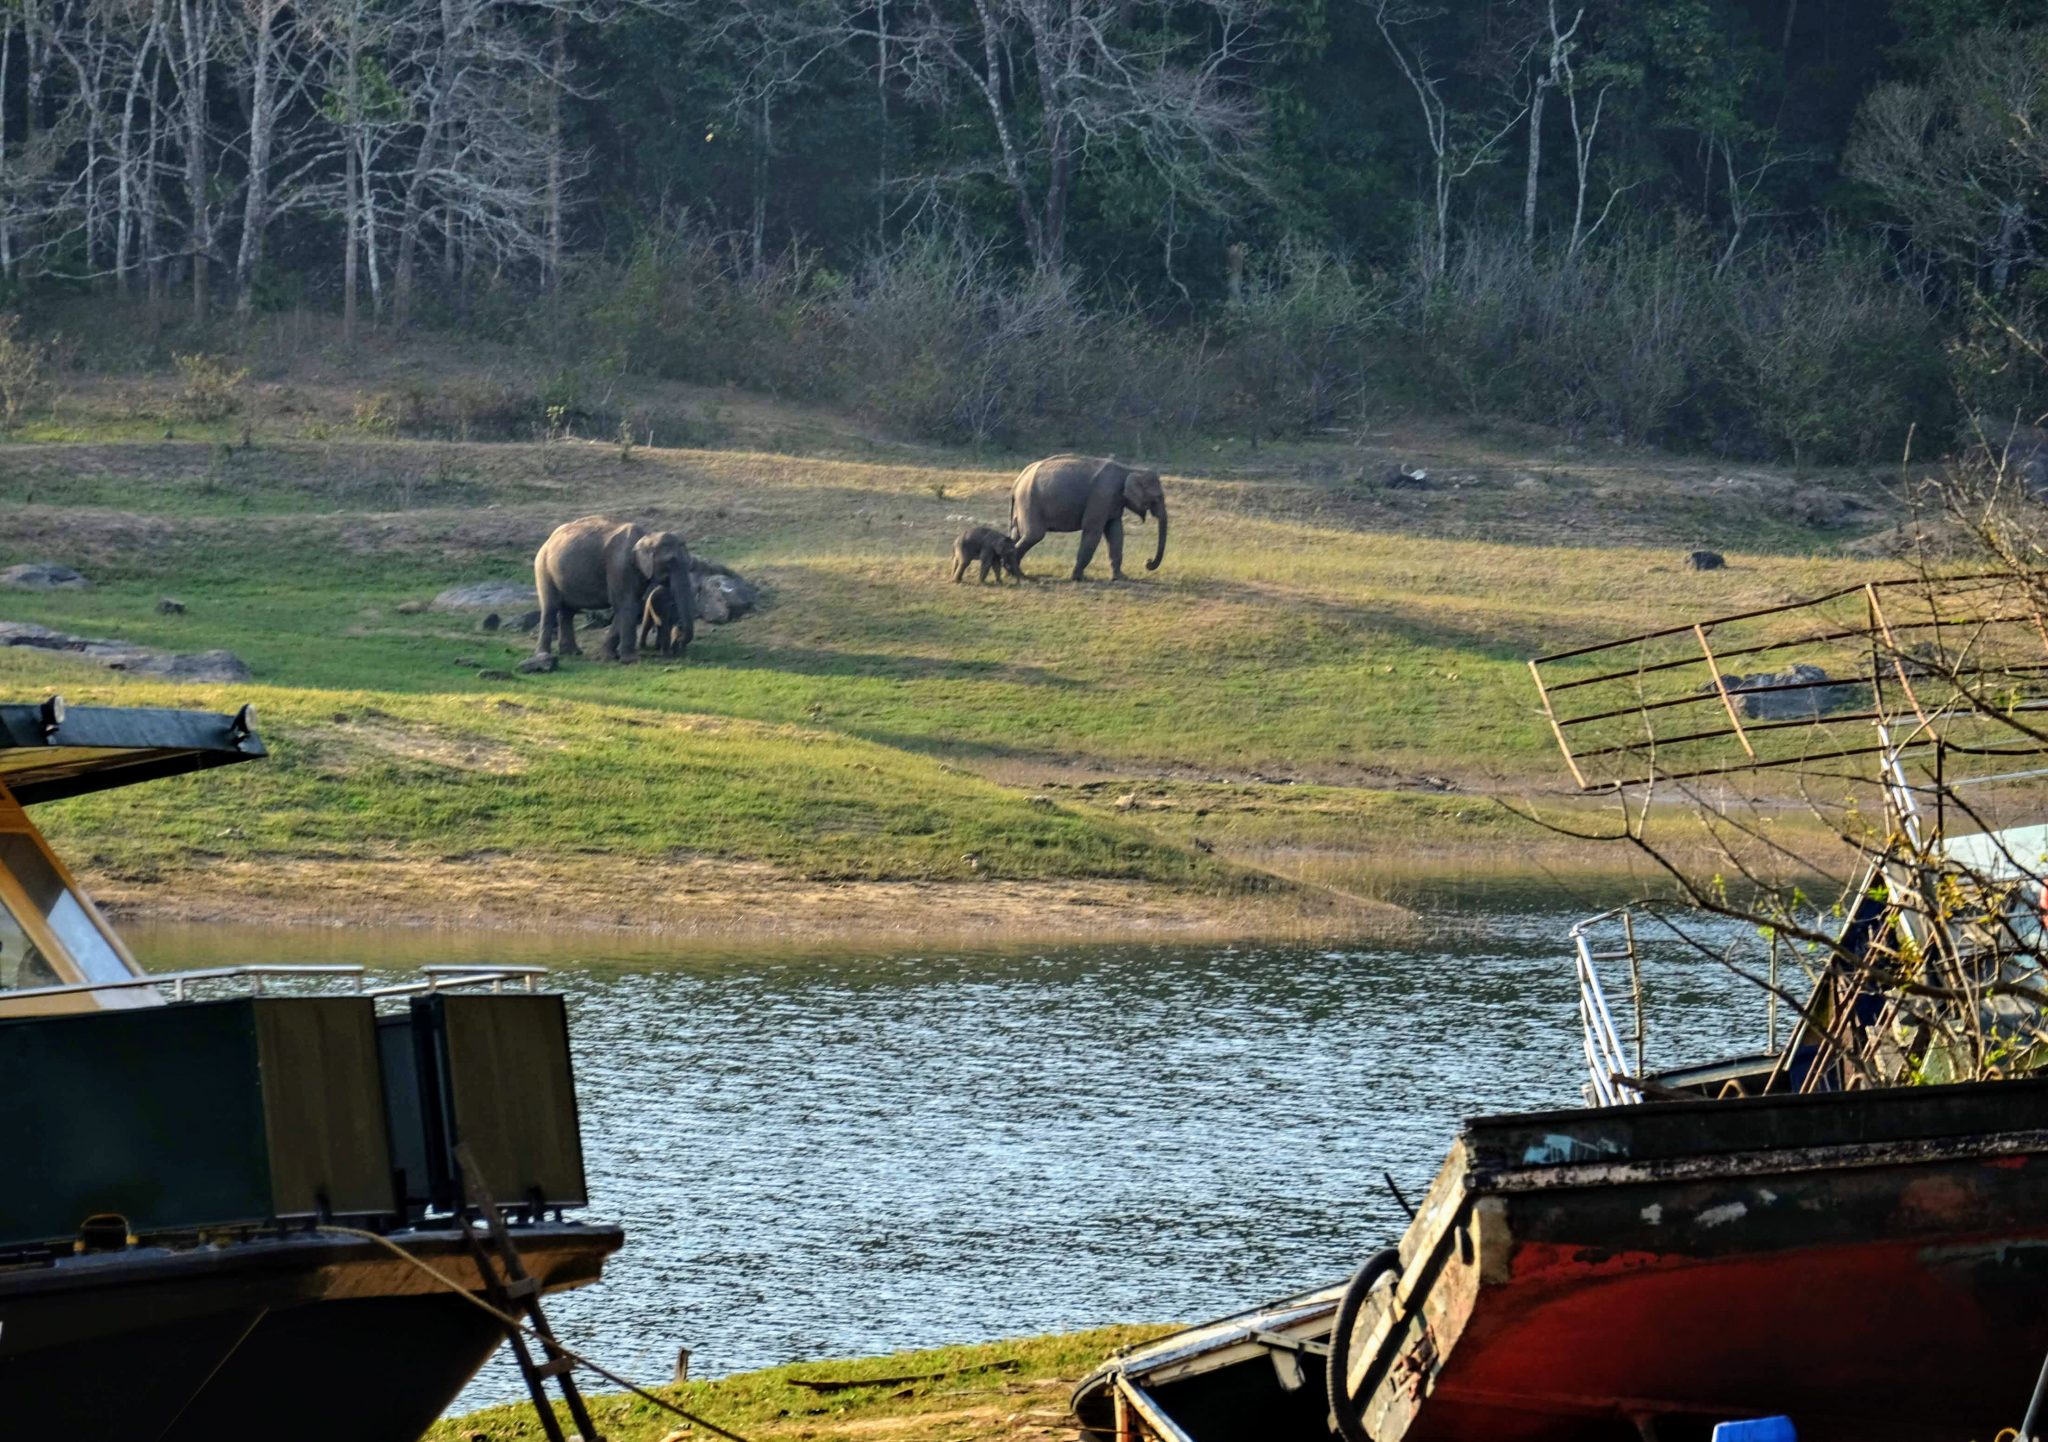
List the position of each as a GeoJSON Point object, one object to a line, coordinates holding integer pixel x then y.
{"type": "Point", "coordinates": [208, 387]}
{"type": "Point", "coordinates": [25, 366]}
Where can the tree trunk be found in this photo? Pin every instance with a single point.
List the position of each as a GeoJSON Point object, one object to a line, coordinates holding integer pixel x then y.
{"type": "Point", "coordinates": [763, 139]}
{"type": "Point", "coordinates": [262, 129]}
{"type": "Point", "coordinates": [200, 238]}
{"type": "Point", "coordinates": [882, 110]}
{"type": "Point", "coordinates": [352, 225]}
{"type": "Point", "coordinates": [129, 162]}
{"type": "Point", "coordinates": [557, 79]}
{"type": "Point", "coordinates": [1529, 180]}
{"type": "Point", "coordinates": [2011, 217]}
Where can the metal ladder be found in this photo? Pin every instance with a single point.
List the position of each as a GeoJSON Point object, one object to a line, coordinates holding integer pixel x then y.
{"type": "Point", "coordinates": [1605, 1057]}
{"type": "Point", "coordinates": [513, 1292]}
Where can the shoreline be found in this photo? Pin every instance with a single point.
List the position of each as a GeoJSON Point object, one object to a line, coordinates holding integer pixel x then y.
{"type": "Point", "coordinates": [733, 903]}
{"type": "Point", "coordinates": [1290, 896]}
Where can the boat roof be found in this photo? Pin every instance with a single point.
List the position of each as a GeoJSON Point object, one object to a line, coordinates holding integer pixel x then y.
{"type": "Point", "coordinates": [2014, 854]}
{"type": "Point", "coordinates": [49, 750]}
{"type": "Point", "coordinates": [1209, 1346]}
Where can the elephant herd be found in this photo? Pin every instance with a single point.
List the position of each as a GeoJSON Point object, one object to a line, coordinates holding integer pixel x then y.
{"type": "Point", "coordinates": [1067, 493]}
{"type": "Point", "coordinates": [643, 577]}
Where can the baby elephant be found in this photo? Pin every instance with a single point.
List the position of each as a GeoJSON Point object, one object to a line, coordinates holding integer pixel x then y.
{"type": "Point", "coordinates": [660, 621]}
{"type": "Point", "coordinates": [996, 552]}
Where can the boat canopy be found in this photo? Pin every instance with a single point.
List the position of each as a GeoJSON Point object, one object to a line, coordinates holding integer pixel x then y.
{"type": "Point", "coordinates": [49, 751]}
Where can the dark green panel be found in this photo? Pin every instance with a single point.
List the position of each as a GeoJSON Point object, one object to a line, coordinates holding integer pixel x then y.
{"type": "Point", "coordinates": [324, 1105]}
{"type": "Point", "coordinates": [512, 1093]}
{"type": "Point", "coordinates": [154, 1113]}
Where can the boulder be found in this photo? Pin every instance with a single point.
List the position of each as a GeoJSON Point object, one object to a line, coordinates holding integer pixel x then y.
{"type": "Point", "coordinates": [536, 665]}
{"type": "Point", "coordinates": [191, 666]}
{"type": "Point", "coordinates": [721, 596]}
{"type": "Point", "coordinates": [1756, 698]}
{"type": "Point", "coordinates": [486, 596]}
{"type": "Point", "coordinates": [43, 576]}
{"type": "Point", "coordinates": [126, 656]}
{"type": "Point", "coordinates": [490, 621]}
{"type": "Point", "coordinates": [1706, 560]}
{"type": "Point", "coordinates": [1407, 478]}
{"type": "Point", "coordinates": [165, 606]}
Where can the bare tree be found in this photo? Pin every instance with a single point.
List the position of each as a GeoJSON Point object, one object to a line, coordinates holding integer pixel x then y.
{"type": "Point", "coordinates": [1063, 80]}
{"type": "Point", "coordinates": [1458, 145]}
{"type": "Point", "coordinates": [1961, 156]}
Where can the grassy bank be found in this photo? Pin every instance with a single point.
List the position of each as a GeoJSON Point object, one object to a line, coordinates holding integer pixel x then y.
{"type": "Point", "coordinates": [1325, 680]}
{"type": "Point", "coordinates": [994, 1392]}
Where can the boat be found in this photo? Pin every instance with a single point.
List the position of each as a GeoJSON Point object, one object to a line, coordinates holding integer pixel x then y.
{"type": "Point", "coordinates": [1868, 1263]}
{"type": "Point", "coordinates": [1846, 1230]}
{"type": "Point", "coordinates": [1254, 1375]}
{"type": "Point", "coordinates": [257, 1197]}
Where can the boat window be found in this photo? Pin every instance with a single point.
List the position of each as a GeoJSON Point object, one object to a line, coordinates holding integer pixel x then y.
{"type": "Point", "coordinates": [21, 964]}
{"type": "Point", "coordinates": [61, 910]}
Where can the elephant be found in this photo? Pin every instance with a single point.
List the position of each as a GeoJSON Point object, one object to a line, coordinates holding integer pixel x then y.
{"type": "Point", "coordinates": [1086, 494]}
{"type": "Point", "coordinates": [661, 620]}
{"type": "Point", "coordinates": [596, 562]}
{"type": "Point", "coordinates": [995, 551]}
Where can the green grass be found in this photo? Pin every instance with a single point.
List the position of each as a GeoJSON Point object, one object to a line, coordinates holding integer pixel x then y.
{"type": "Point", "coordinates": [989, 1392]}
{"type": "Point", "coordinates": [360, 776]}
{"type": "Point", "coordinates": [873, 721]}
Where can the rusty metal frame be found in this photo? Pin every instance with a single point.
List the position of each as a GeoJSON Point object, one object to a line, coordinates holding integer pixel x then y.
{"type": "Point", "coordinates": [1893, 696]}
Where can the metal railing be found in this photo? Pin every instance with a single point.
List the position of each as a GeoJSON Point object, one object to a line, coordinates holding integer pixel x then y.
{"type": "Point", "coordinates": [446, 977]}
{"type": "Point", "coordinates": [179, 983]}
{"type": "Point", "coordinates": [1606, 1059]}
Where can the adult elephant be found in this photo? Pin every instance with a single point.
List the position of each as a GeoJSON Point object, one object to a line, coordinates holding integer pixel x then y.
{"type": "Point", "coordinates": [597, 562]}
{"type": "Point", "coordinates": [1090, 495]}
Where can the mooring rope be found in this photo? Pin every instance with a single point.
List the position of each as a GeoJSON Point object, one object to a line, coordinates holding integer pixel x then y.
{"type": "Point", "coordinates": [513, 1323]}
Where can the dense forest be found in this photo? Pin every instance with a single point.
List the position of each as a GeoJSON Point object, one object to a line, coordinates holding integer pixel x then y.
{"type": "Point", "coordinates": [1762, 227]}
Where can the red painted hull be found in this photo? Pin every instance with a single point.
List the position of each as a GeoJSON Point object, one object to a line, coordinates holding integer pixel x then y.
{"type": "Point", "coordinates": [1836, 1338]}
{"type": "Point", "coordinates": [1889, 1284]}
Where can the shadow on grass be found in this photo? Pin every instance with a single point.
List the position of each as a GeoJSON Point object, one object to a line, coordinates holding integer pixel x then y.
{"type": "Point", "coordinates": [817, 661]}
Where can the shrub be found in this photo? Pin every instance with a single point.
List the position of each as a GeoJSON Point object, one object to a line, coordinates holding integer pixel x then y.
{"type": "Point", "coordinates": [1298, 343]}
{"type": "Point", "coordinates": [207, 387]}
{"type": "Point", "coordinates": [1827, 357]}
{"type": "Point", "coordinates": [24, 371]}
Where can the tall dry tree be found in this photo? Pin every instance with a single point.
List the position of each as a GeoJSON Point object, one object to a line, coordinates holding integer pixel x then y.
{"type": "Point", "coordinates": [1458, 143]}
{"type": "Point", "coordinates": [1061, 82]}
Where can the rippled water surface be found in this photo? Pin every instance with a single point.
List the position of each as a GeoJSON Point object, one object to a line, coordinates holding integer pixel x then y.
{"type": "Point", "coordinates": [837, 1152]}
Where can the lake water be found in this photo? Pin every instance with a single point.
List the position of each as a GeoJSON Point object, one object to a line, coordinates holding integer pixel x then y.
{"type": "Point", "coordinates": [838, 1152]}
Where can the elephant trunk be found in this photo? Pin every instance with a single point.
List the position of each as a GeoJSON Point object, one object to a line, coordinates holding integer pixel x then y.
{"type": "Point", "coordinates": [1159, 554]}
{"type": "Point", "coordinates": [683, 588]}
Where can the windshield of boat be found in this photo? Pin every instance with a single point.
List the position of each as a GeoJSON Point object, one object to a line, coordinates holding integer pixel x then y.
{"type": "Point", "coordinates": [48, 933]}
{"type": "Point", "coordinates": [22, 964]}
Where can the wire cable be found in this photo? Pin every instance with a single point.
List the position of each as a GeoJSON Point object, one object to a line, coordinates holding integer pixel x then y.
{"type": "Point", "coordinates": [511, 1323]}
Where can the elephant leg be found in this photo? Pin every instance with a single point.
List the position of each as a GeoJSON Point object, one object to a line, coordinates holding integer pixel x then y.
{"type": "Point", "coordinates": [1031, 536]}
{"type": "Point", "coordinates": [1114, 534]}
{"type": "Point", "coordinates": [983, 578]}
{"type": "Point", "coordinates": [565, 622]}
{"type": "Point", "coordinates": [1091, 537]}
{"type": "Point", "coordinates": [621, 642]}
{"type": "Point", "coordinates": [959, 564]}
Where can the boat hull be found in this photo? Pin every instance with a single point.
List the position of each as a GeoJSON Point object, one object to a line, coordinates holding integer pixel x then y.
{"type": "Point", "coordinates": [330, 1339]}
{"type": "Point", "coordinates": [1869, 1264]}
